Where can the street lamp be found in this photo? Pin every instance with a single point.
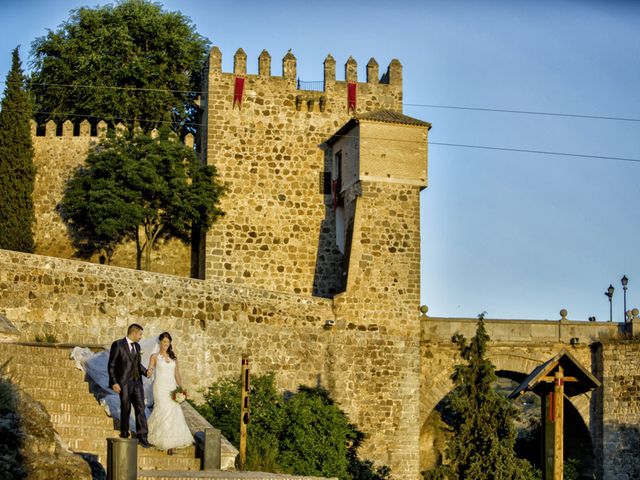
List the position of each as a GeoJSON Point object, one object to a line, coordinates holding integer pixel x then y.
{"type": "Point", "coordinates": [609, 293]}
{"type": "Point", "coordinates": [624, 280]}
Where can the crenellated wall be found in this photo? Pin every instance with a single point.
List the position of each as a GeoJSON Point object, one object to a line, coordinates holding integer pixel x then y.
{"type": "Point", "coordinates": [58, 151]}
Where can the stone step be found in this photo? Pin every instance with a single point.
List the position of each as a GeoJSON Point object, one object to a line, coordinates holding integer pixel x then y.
{"type": "Point", "coordinates": [46, 370]}
{"type": "Point", "coordinates": [98, 445]}
{"type": "Point", "coordinates": [90, 406]}
{"type": "Point", "coordinates": [83, 432]}
{"type": "Point", "coordinates": [78, 393]}
{"type": "Point", "coordinates": [35, 348]}
{"type": "Point", "coordinates": [28, 359]}
{"type": "Point", "coordinates": [42, 357]}
{"type": "Point", "coordinates": [150, 459]}
{"type": "Point", "coordinates": [163, 461]}
{"type": "Point", "coordinates": [88, 420]}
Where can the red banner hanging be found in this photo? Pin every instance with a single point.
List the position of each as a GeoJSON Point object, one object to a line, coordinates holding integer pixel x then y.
{"type": "Point", "coordinates": [351, 97]}
{"type": "Point", "coordinates": [237, 92]}
{"type": "Point", "coordinates": [552, 412]}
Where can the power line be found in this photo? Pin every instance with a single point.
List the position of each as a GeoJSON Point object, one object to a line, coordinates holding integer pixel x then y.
{"type": "Point", "coordinates": [537, 152]}
{"type": "Point", "coordinates": [421, 105]}
{"type": "Point", "coordinates": [525, 112]}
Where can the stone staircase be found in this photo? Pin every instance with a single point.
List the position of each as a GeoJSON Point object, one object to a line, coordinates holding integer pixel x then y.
{"type": "Point", "coordinates": [50, 376]}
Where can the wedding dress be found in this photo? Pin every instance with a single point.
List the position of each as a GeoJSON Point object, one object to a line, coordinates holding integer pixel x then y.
{"type": "Point", "coordinates": [167, 426]}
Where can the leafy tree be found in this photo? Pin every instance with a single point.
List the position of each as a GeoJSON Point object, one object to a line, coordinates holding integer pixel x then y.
{"type": "Point", "coordinates": [129, 62]}
{"type": "Point", "coordinates": [139, 188]}
{"type": "Point", "coordinates": [482, 446]}
{"type": "Point", "coordinates": [302, 433]}
{"type": "Point", "coordinates": [17, 173]}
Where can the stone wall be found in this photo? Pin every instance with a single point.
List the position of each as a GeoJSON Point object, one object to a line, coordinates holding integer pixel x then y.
{"type": "Point", "coordinates": [58, 151]}
{"type": "Point", "coordinates": [371, 373]}
{"type": "Point", "coordinates": [620, 410]}
{"type": "Point", "coordinates": [279, 228]}
{"type": "Point", "coordinates": [441, 330]}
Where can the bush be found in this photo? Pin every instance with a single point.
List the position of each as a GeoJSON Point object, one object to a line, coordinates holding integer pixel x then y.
{"type": "Point", "coordinates": [304, 433]}
{"type": "Point", "coordinates": [572, 469]}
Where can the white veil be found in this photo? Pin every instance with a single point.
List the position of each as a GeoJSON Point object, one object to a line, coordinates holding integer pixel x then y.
{"type": "Point", "coordinates": [94, 364]}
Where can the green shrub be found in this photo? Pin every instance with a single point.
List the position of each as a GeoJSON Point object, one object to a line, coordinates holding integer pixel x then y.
{"type": "Point", "coordinates": [302, 433]}
{"type": "Point", "coordinates": [572, 469]}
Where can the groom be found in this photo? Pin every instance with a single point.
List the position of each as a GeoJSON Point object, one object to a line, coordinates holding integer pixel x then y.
{"type": "Point", "coordinates": [125, 378]}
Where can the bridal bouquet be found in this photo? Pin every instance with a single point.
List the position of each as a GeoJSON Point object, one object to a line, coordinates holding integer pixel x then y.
{"type": "Point", "coordinates": [179, 395]}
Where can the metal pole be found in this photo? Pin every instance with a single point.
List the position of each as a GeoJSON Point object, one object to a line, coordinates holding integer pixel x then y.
{"type": "Point", "coordinates": [625, 303]}
{"type": "Point", "coordinates": [244, 411]}
{"type": "Point", "coordinates": [610, 310]}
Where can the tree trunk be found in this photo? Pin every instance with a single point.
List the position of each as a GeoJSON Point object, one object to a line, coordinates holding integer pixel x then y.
{"type": "Point", "coordinates": [138, 251]}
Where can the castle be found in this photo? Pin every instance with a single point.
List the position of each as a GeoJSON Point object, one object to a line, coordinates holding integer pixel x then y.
{"type": "Point", "coordinates": [314, 271]}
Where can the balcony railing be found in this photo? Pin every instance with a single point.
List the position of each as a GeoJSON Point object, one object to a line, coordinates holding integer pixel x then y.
{"type": "Point", "coordinates": [315, 86]}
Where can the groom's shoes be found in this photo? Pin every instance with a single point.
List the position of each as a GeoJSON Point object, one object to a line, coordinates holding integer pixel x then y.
{"type": "Point", "coordinates": [124, 434]}
{"type": "Point", "coordinates": [143, 442]}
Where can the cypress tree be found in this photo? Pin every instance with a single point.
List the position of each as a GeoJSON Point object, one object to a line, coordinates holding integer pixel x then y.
{"type": "Point", "coordinates": [17, 173]}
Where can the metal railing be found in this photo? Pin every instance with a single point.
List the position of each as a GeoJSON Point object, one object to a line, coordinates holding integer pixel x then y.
{"type": "Point", "coordinates": [315, 86]}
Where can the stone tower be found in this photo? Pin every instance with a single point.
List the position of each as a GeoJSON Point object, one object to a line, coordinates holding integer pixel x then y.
{"type": "Point", "coordinates": [323, 201]}
{"type": "Point", "coordinates": [265, 134]}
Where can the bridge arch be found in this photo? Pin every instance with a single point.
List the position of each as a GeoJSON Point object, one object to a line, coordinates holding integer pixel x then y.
{"type": "Point", "coordinates": [512, 362]}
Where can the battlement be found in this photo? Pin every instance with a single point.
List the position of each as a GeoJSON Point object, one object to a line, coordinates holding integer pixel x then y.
{"type": "Point", "coordinates": [316, 96]}
{"type": "Point", "coordinates": [393, 75]}
{"type": "Point", "coordinates": [86, 129]}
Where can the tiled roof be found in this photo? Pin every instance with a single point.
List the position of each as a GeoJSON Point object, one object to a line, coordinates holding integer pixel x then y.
{"type": "Point", "coordinates": [389, 116]}
{"type": "Point", "coordinates": [384, 116]}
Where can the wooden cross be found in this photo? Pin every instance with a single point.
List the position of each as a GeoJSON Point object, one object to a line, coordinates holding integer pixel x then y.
{"type": "Point", "coordinates": [553, 424]}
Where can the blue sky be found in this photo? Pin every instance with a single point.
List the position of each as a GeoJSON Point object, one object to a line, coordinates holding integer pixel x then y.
{"type": "Point", "coordinates": [518, 235]}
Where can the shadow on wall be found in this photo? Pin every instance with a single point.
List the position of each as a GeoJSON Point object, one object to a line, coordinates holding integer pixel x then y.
{"type": "Point", "coordinates": [328, 278]}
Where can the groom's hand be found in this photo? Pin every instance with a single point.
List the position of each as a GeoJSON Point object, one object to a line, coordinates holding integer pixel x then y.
{"type": "Point", "coordinates": [149, 372]}
{"type": "Point", "coordinates": [116, 388]}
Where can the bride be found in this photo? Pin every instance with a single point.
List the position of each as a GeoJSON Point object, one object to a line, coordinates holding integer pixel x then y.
{"type": "Point", "coordinates": [167, 426]}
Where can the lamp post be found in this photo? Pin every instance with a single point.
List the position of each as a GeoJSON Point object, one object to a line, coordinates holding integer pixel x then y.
{"type": "Point", "coordinates": [609, 293]}
{"type": "Point", "coordinates": [624, 280]}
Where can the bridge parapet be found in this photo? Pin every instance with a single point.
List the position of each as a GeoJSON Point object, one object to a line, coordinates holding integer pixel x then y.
{"type": "Point", "coordinates": [441, 330]}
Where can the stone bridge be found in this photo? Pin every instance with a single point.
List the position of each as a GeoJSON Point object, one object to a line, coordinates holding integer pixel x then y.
{"type": "Point", "coordinates": [595, 419]}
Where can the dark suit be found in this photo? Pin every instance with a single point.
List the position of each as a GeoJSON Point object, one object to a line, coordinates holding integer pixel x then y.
{"type": "Point", "coordinates": [126, 370]}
